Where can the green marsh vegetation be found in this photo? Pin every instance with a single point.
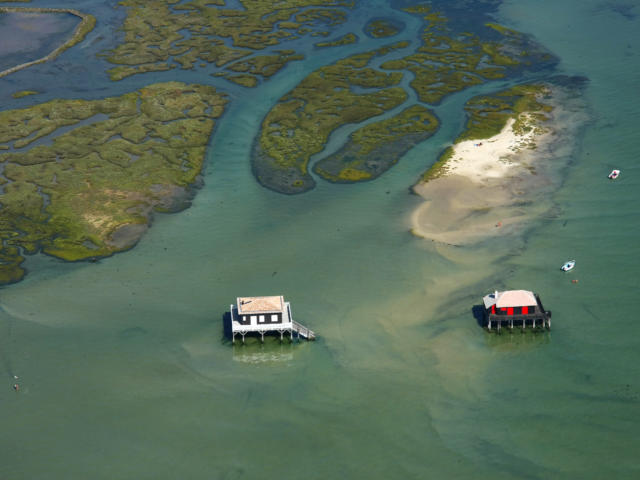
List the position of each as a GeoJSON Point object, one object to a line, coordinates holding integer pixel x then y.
{"type": "Point", "coordinates": [265, 65]}
{"type": "Point", "coordinates": [298, 126]}
{"type": "Point", "coordinates": [447, 61]}
{"type": "Point", "coordinates": [347, 39]}
{"type": "Point", "coordinates": [450, 61]}
{"type": "Point", "coordinates": [89, 191]}
{"type": "Point", "coordinates": [24, 93]}
{"type": "Point", "coordinates": [382, 28]}
{"type": "Point", "coordinates": [162, 35]}
{"type": "Point", "coordinates": [488, 114]}
{"type": "Point", "coordinates": [374, 148]}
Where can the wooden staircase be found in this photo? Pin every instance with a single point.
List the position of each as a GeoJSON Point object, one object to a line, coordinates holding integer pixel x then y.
{"type": "Point", "coordinates": [303, 331]}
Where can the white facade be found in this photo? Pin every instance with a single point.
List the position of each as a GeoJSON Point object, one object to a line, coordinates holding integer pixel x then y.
{"type": "Point", "coordinates": [261, 322]}
{"type": "Point", "coordinates": [263, 315]}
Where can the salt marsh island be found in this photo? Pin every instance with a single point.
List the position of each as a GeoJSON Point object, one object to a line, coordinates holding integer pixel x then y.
{"type": "Point", "coordinates": [346, 39]}
{"type": "Point", "coordinates": [301, 122]}
{"type": "Point", "coordinates": [359, 88]}
{"type": "Point", "coordinates": [80, 179]}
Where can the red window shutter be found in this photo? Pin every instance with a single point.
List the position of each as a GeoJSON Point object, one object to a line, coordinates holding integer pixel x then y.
{"type": "Point", "coordinates": [510, 311]}
{"type": "Point", "coordinates": [493, 308]}
{"type": "Point", "coordinates": [525, 310]}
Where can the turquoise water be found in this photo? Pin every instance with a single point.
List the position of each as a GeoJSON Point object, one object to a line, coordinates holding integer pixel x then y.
{"type": "Point", "coordinates": [125, 373]}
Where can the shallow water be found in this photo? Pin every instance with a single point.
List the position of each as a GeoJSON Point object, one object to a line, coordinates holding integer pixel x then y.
{"type": "Point", "coordinates": [30, 36]}
{"type": "Point", "coordinates": [125, 373]}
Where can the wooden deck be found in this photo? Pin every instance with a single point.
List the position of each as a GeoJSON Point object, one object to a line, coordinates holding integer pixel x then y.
{"type": "Point", "coordinates": [534, 321]}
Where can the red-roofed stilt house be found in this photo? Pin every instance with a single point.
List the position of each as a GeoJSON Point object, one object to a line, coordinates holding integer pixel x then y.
{"type": "Point", "coordinates": [519, 307]}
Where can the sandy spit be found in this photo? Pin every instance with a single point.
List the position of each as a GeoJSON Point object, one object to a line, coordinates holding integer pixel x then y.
{"type": "Point", "coordinates": [484, 189]}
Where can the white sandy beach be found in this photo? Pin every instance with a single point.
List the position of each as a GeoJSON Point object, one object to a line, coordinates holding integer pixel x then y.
{"type": "Point", "coordinates": [496, 157]}
{"type": "Point", "coordinates": [482, 192]}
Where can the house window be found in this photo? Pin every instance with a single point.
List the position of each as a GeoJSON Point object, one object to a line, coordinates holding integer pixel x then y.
{"type": "Point", "coordinates": [244, 318]}
{"type": "Point", "coordinates": [274, 318]}
{"type": "Point", "coordinates": [261, 318]}
{"type": "Point", "coordinates": [510, 311]}
{"type": "Point", "coordinates": [253, 318]}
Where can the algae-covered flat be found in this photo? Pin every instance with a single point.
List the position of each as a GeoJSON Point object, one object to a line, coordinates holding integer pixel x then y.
{"type": "Point", "coordinates": [90, 191]}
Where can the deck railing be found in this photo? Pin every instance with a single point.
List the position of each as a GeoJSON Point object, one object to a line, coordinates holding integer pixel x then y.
{"type": "Point", "coordinates": [303, 331]}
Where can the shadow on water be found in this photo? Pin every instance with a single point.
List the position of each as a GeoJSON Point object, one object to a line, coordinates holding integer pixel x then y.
{"type": "Point", "coordinates": [4, 349]}
{"type": "Point", "coordinates": [226, 325]}
{"type": "Point", "coordinates": [506, 338]}
{"type": "Point", "coordinates": [478, 314]}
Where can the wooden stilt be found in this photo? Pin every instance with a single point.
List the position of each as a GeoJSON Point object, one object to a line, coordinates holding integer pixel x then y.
{"type": "Point", "coordinates": [262, 337]}
{"type": "Point", "coordinates": [489, 324]}
{"type": "Point", "coordinates": [534, 323]}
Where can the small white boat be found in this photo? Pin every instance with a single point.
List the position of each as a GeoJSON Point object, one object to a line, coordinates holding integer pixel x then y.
{"type": "Point", "coordinates": [568, 266]}
{"type": "Point", "coordinates": [614, 174]}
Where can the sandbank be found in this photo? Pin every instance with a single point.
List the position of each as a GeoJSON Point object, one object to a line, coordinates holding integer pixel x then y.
{"type": "Point", "coordinates": [483, 187]}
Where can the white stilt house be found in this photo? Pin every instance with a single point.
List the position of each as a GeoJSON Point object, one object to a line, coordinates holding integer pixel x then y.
{"type": "Point", "coordinates": [265, 314]}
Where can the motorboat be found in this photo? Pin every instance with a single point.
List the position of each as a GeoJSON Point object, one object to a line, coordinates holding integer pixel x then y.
{"type": "Point", "coordinates": [568, 266]}
{"type": "Point", "coordinates": [614, 174]}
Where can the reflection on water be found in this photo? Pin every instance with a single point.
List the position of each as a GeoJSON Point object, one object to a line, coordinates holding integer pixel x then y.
{"type": "Point", "coordinates": [517, 340]}
{"type": "Point", "coordinates": [269, 352]}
